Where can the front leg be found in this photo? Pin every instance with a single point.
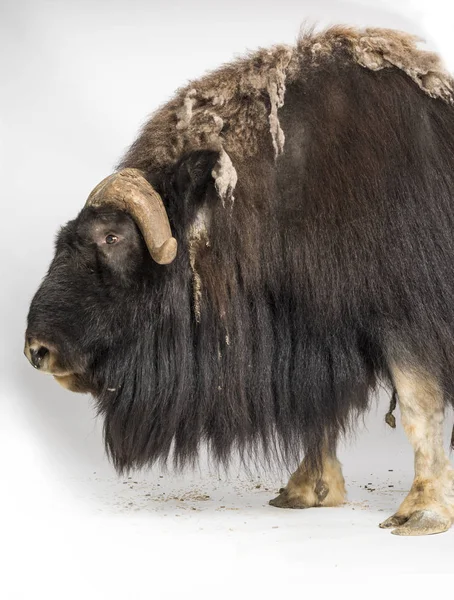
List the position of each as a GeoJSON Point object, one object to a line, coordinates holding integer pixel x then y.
{"type": "Point", "coordinates": [307, 488]}
{"type": "Point", "coordinates": [429, 506]}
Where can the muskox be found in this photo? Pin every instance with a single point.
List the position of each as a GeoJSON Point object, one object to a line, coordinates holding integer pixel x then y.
{"type": "Point", "coordinates": [278, 239]}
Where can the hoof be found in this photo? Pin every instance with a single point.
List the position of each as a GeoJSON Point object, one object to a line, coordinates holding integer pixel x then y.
{"type": "Point", "coordinates": [393, 521]}
{"type": "Point", "coordinates": [284, 501]}
{"type": "Point", "coordinates": [421, 522]}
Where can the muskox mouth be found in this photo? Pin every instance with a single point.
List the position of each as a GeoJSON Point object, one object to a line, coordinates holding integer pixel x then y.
{"type": "Point", "coordinates": [73, 382]}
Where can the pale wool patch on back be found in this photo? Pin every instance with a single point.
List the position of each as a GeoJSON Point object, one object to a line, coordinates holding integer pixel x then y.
{"type": "Point", "coordinates": [376, 49]}
{"type": "Point", "coordinates": [379, 49]}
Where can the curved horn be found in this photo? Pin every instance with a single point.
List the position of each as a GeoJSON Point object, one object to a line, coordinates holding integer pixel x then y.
{"type": "Point", "coordinates": [128, 190]}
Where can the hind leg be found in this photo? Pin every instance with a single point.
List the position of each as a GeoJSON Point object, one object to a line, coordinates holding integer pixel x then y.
{"type": "Point", "coordinates": [307, 487]}
{"type": "Point", "coordinates": [429, 506]}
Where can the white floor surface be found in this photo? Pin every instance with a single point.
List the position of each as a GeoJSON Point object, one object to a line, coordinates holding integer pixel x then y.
{"type": "Point", "coordinates": [76, 530]}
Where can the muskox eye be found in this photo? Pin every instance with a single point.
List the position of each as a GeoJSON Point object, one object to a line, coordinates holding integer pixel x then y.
{"type": "Point", "coordinates": [111, 239]}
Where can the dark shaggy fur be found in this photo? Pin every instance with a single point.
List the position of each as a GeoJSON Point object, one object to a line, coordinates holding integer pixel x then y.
{"type": "Point", "coordinates": [335, 258]}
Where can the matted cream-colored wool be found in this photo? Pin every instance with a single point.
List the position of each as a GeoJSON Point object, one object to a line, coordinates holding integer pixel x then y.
{"type": "Point", "coordinates": [375, 49]}
{"type": "Point", "coordinates": [226, 110]}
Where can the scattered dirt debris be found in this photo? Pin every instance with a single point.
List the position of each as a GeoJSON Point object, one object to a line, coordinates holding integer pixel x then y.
{"type": "Point", "coordinates": [362, 505]}
{"type": "Point", "coordinates": [193, 496]}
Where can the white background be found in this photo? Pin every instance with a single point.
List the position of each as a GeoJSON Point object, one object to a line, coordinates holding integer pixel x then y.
{"type": "Point", "coordinates": [77, 80]}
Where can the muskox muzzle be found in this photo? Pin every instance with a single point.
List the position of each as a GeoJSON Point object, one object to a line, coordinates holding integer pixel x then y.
{"type": "Point", "coordinates": [38, 355]}
{"type": "Point", "coordinates": [45, 357]}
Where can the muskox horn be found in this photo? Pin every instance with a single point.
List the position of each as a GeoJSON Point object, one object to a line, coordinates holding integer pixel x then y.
{"type": "Point", "coordinates": [128, 190]}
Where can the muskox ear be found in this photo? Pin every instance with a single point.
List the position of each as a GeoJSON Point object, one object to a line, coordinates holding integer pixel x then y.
{"type": "Point", "coordinates": [193, 172]}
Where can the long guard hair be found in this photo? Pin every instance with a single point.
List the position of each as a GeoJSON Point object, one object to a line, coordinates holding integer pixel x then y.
{"type": "Point", "coordinates": [323, 251]}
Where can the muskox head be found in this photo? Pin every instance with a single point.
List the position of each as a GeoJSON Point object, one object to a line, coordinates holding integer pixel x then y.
{"type": "Point", "coordinates": [83, 311]}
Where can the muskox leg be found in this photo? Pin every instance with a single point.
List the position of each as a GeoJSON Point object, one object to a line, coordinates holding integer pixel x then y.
{"type": "Point", "coordinates": [307, 487]}
{"type": "Point", "coordinates": [429, 506]}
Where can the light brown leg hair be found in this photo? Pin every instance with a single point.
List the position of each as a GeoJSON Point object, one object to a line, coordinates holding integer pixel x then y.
{"type": "Point", "coordinates": [429, 506]}
{"type": "Point", "coordinates": [306, 488]}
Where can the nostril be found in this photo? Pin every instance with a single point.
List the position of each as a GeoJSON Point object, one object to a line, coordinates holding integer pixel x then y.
{"type": "Point", "coordinates": [37, 355]}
